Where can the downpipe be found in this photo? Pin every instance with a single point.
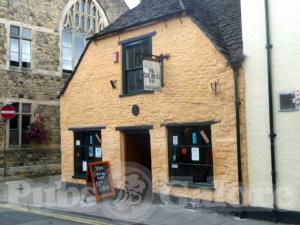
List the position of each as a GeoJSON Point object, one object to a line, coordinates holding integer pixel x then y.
{"type": "Point", "coordinates": [271, 110]}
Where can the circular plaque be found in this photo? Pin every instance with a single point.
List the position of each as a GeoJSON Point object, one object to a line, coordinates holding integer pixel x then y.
{"type": "Point", "coordinates": [135, 110]}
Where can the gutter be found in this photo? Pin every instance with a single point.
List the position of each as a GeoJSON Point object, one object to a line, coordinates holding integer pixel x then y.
{"type": "Point", "coordinates": [271, 108]}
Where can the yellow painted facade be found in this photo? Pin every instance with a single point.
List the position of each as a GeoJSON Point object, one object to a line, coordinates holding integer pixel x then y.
{"type": "Point", "coordinates": [186, 97]}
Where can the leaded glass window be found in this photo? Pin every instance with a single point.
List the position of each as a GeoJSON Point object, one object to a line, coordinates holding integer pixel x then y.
{"type": "Point", "coordinates": [83, 19]}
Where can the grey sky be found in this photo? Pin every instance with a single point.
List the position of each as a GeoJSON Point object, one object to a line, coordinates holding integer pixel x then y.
{"type": "Point", "coordinates": [132, 3]}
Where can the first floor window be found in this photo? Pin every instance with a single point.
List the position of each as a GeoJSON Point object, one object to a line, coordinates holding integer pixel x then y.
{"type": "Point", "coordinates": [133, 54]}
{"type": "Point", "coordinates": [19, 124]}
{"type": "Point", "coordinates": [20, 47]}
{"type": "Point", "coordinates": [190, 155]}
{"type": "Point", "coordinates": [87, 149]}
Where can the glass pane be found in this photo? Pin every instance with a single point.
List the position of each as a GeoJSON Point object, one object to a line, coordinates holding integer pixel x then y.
{"type": "Point", "coordinates": [67, 50]}
{"type": "Point", "coordinates": [67, 38]}
{"type": "Point", "coordinates": [14, 31]}
{"type": "Point", "coordinates": [89, 7]}
{"type": "Point", "coordinates": [14, 123]}
{"type": "Point", "coordinates": [135, 81]}
{"type": "Point", "coordinates": [25, 122]}
{"type": "Point", "coordinates": [77, 6]}
{"type": "Point", "coordinates": [77, 21]}
{"type": "Point", "coordinates": [14, 45]}
{"type": "Point", "coordinates": [25, 125]}
{"type": "Point", "coordinates": [67, 65]}
{"type": "Point", "coordinates": [14, 137]}
{"type": "Point", "coordinates": [82, 23]}
{"type": "Point", "coordinates": [26, 51]}
{"type": "Point", "coordinates": [16, 105]}
{"type": "Point", "coordinates": [26, 108]}
{"type": "Point", "coordinates": [26, 33]}
{"type": "Point", "coordinates": [82, 6]}
{"type": "Point", "coordinates": [94, 11]}
{"type": "Point", "coordinates": [14, 59]}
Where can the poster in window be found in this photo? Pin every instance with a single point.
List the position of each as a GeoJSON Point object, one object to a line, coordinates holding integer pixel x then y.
{"type": "Point", "coordinates": [91, 139]}
{"type": "Point", "coordinates": [195, 154]}
{"type": "Point", "coordinates": [204, 136]}
{"type": "Point", "coordinates": [77, 142]}
{"type": "Point", "coordinates": [91, 152]}
{"type": "Point", "coordinates": [194, 138]}
{"type": "Point", "coordinates": [98, 152]}
{"type": "Point", "coordinates": [175, 140]}
{"type": "Point", "coordinates": [84, 166]}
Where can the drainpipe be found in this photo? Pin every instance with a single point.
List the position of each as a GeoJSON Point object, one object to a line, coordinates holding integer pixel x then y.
{"type": "Point", "coordinates": [271, 108]}
{"type": "Point", "coordinates": [236, 74]}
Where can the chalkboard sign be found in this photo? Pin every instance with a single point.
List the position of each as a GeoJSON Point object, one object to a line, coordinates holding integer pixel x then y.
{"type": "Point", "coordinates": [100, 173]}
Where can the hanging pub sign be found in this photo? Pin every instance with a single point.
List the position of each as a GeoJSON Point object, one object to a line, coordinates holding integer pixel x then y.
{"type": "Point", "coordinates": [99, 176]}
{"type": "Point", "coordinates": [152, 72]}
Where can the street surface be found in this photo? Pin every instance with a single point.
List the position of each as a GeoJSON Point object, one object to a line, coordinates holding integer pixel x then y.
{"type": "Point", "coordinates": [11, 215]}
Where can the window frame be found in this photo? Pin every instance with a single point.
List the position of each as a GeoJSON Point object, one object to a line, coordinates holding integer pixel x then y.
{"type": "Point", "coordinates": [20, 38]}
{"type": "Point", "coordinates": [19, 116]}
{"type": "Point", "coordinates": [125, 46]}
{"type": "Point", "coordinates": [82, 149]}
{"type": "Point", "coordinates": [208, 147]}
{"type": "Point", "coordinates": [82, 18]}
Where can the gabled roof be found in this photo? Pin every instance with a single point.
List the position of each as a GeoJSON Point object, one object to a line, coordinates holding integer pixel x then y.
{"type": "Point", "coordinates": [219, 19]}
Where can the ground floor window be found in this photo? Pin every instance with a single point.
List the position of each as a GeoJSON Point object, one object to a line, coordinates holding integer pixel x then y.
{"type": "Point", "coordinates": [19, 124]}
{"type": "Point", "coordinates": [190, 155]}
{"type": "Point", "coordinates": [87, 148]}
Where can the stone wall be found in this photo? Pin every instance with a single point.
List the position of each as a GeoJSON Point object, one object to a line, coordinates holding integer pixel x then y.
{"type": "Point", "coordinates": [40, 84]}
{"type": "Point", "coordinates": [186, 97]}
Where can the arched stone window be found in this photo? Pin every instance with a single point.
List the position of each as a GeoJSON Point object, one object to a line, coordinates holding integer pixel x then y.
{"type": "Point", "coordinates": [84, 18]}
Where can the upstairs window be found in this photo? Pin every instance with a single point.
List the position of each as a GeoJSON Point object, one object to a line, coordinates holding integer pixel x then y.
{"type": "Point", "coordinates": [133, 55]}
{"type": "Point", "coordinates": [83, 19]}
{"type": "Point", "coordinates": [20, 47]}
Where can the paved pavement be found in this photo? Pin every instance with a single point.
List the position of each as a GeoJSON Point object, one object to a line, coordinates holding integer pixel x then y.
{"type": "Point", "coordinates": [49, 194]}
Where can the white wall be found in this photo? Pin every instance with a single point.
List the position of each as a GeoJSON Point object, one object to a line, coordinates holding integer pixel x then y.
{"type": "Point", "coordinates": [285, 34]}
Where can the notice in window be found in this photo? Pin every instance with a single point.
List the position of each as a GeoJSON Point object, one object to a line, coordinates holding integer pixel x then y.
{"type": "Point", "coordinates": [84, 166]}
{"type": "Point", "coordinates": [195, 154]}
{"type": "Point", "coordinates": [77, 142]}
{"type": "Point", "coordinates": [91, 152]}
{"type": "Point", "coordinates": [175, 140]}
{"type": "Point", "coordinates": [98, 152]}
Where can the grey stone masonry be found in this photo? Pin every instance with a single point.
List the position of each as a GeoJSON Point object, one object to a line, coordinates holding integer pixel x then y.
{"type": "Point", "coordinates": [38, 85]}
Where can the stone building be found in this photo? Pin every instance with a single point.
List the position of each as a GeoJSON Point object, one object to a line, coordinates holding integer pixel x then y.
{"type": "Point", "coordinates": [40, 44]}
{"type": "Point", "coordinates": [190, 136]}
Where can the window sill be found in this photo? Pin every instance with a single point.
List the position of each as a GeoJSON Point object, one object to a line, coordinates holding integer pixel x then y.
{"type": "Point", "coordinates": [79, 177]}
{"type": "Point", "coordinates": [136, 93]}
{"type": "Point", "coordinates": [20, 69]}
{"type": "Point", "coordinates": [288, 110]}
{"type": "Point", "coordinates": [192, 185]}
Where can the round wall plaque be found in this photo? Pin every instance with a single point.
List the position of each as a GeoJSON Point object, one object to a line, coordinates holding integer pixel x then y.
{"type": "Point", "coordinates": [135, 110]}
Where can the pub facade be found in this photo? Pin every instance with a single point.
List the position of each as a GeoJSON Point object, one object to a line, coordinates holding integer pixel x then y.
{"type": "Point", "coordinates": [189, 131]}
